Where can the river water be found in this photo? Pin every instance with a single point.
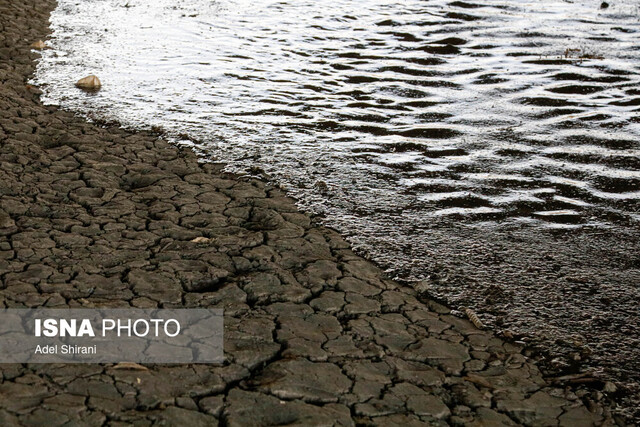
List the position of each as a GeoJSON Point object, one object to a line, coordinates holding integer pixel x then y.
{"type": "Point", "coordinates": [490, 149]}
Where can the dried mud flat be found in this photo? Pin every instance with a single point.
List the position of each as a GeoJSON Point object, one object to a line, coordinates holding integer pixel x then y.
{"type": "Point", "coordinates": [314, 335]}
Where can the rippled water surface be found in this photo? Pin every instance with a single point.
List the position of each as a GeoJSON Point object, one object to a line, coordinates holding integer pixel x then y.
{"type": "Point", "coordinates": [397, 120]}
{"type": "Point", "coordinates": [381, 114]}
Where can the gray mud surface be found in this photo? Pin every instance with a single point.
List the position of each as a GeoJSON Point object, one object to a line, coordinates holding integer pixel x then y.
{"type": "Point", "coordinates": [571, 295]}
{"type": "Point", "coordinates": [96, 216]}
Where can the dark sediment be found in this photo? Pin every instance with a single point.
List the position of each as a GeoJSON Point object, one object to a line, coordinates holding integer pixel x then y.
{"type": "Point", "coordinates": [96, 216]}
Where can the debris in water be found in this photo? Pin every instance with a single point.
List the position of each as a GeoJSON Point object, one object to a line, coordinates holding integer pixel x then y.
{"type": "Point", "coordinates": [581, 54]}
{"type": "Point", "coordinates": [322, 187]}
{"type": "Point", "coordinates": [570, 51]}
{"type": "Point", "coordinates": [474, 318]}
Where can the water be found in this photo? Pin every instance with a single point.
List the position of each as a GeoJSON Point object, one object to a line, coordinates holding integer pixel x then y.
{"type": "Point", "coordinates": [429, 132]}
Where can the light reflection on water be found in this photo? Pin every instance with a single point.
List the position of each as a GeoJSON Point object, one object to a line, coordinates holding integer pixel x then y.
{"type": "Point", "coordinates": [414, 114]}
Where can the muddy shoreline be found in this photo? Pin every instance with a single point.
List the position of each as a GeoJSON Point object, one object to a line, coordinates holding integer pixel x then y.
{"type": "Point", "coordinates": [97, 216]}
{"type": "Point", "coordinates": [570, 295]}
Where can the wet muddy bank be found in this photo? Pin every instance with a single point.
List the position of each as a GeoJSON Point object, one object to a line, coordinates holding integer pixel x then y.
{"type": "Point", "coordinates": [571, 295]}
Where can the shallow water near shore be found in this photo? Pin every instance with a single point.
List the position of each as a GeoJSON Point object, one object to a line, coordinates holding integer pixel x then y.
{"type": "Point", "coordinates": [491, 149]}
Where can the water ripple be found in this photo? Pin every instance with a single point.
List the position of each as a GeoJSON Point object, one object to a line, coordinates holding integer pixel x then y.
{"type": "Point", "coordinates": [523, 112]}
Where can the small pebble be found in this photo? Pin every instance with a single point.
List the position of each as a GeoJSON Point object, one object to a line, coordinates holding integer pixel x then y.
{"type": "Point", "coordinates": [38, 45]}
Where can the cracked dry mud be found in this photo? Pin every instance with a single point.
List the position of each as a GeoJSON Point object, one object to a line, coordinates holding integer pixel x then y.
{"type": "Point", "coordinates": [314, 334]}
